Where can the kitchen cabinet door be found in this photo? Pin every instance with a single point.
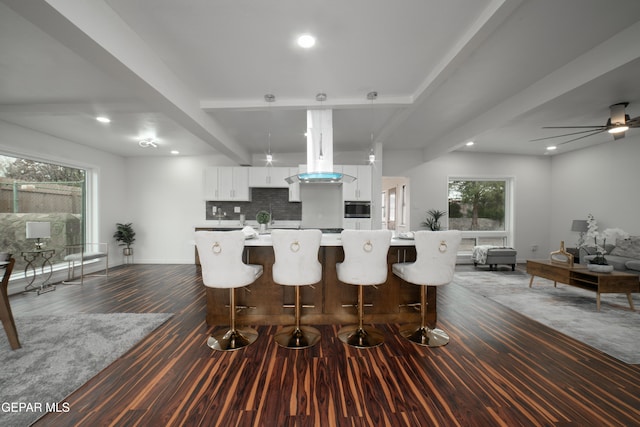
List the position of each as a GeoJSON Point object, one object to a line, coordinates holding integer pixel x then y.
{"type": "Point", "coordinates": [211, 185]}
{"type": "Point", "coordinates": [360, 189]}
{"type": "Point", "coordinates": [233, 183]}
{"type": "Point", "coordinates": [268, 177]}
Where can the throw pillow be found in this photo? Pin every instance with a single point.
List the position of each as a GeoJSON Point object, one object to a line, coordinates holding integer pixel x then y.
{"type": "Point", "coordinates": [629, 248]}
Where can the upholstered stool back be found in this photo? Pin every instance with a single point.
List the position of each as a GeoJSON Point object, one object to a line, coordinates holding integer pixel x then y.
{"type": "Point", "coordinates": [296, 257]}
{"type": "Point", "coordinates": [365, 257]}
{"type": "Point", "coordinates": [435, 259]}
{"type": "Point", "coordinates": [220, 255]}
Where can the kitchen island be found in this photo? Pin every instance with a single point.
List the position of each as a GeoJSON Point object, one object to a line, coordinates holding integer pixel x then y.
{"type": "Point", "coordinates": [329, 301]}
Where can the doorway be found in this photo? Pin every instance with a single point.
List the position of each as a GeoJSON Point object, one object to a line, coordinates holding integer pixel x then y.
{"type": "Point", "coordinates": [395, 204]}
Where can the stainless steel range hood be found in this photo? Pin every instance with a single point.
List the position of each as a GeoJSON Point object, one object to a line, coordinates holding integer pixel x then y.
{"type": "Point", "coordinates": [320, 151]}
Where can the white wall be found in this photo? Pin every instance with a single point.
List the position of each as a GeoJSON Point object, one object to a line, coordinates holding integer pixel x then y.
{"type": "Point", "coordinates": [166, 195]}
{"type": "Point", "coordinates": [601, 180]}
{"type": "Point", "coordinates": [428, 183]}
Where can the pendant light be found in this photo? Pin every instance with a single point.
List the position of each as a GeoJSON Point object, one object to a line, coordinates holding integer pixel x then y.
{"type": "Point", "coordinates": [372, 96]}
{"type": "Point", "coordinates": [269, 98]}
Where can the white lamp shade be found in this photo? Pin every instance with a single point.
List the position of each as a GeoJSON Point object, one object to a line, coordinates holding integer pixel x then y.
{"type": "Point", "coordinates": [38, 230]}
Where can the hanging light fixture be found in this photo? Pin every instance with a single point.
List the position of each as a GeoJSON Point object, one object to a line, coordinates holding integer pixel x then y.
{"type": "Point", "coordinates": [372, 96]}
{"type": "Point", "coordinates": [269, 98]}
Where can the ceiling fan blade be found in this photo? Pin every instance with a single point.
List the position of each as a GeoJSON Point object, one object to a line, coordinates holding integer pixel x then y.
{"type": "Point", "coordinates": [634, 123]}
{"type": "Point", "coordinates": [566, 134]}
{"type": "Point", "coordinates": [572, 127]}
{"type": "Point", "coordinates": [584, 136]}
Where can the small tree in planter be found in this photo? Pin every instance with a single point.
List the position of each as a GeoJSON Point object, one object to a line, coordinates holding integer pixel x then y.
{"type": "Point", "coordinates": [433, 219]}
{"type": "Point", "coordinates": [125, 236]}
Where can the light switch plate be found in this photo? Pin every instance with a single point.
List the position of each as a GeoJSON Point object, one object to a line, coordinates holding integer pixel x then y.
{"type": "Point", "coordinates": [236, 209]}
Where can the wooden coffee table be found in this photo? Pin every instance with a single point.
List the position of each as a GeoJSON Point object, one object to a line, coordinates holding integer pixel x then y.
{"type": "Point", "coordinates": [579, 276]}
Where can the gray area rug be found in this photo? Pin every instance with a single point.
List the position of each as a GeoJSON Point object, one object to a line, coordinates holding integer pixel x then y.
{"type": "Point", "coordinates": [58, 355]}
{"type": "Point", "coordinates": [614, 330]}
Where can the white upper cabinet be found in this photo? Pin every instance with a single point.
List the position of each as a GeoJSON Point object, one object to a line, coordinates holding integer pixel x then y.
{"type": "Point", "coordinates": [360, 189]}
{"type": "Point", "coordinates": [227, 183]}
{"type": "Point", "coordinates": [268, 176]}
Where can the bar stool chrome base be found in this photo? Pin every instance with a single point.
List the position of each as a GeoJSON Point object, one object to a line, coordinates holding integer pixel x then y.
{"type": "Point", "coordinates": [425, 336]}
{"type": "Point", "coordinates": [297, 337]}
{"type": "Point", "coordinates": [361, 337]}
{"type": "Point", "coordinates": [233, 339]}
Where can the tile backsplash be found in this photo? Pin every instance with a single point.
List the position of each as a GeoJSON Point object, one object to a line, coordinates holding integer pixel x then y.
{"type": "Point", "coordinates": [275, 200]}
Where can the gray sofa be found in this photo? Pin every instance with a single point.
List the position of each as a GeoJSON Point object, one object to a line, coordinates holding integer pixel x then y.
{"type": "Point", "coordinates": [624, 255]}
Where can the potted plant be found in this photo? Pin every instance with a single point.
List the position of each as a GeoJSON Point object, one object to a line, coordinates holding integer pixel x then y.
{"type": "Point", "coordinates": [433, 219]}
{"type": "Point", "coordinates": [125, 236]}
{"type": "Point", "coordinates": [263, 219]}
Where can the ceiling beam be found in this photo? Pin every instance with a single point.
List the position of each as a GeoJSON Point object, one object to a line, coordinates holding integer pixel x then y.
{"type": "Point", "coordinates": [96, 33]}
{"type": "Point", "coordinates": [609, 55]}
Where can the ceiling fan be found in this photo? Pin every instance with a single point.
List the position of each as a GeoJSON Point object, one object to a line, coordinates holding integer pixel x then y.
{"type": "Point", "coordinates": [616, 125]}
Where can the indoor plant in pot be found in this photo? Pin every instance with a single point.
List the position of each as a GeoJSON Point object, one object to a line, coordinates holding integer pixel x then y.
{"type": "Point", "coordinates": [433, 219]}
{"type": "Point", "coordinates": [125, 236]}
{"type": "Point", "coordinates": [263, 219]}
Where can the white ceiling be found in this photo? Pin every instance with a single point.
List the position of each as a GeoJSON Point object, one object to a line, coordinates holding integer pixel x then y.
{"type": "Point", "coordinates": [193, 74]}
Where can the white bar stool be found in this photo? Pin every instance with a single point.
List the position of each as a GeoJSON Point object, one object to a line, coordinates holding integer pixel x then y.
{"type": "Point", "coordinates": [220, 255]}
{"type": "Point", "coordinates": [434, 266]}
{"type": "Point", "coordinates": [365, 264]}
{"type": "Point", "coordinates": [296, 264]}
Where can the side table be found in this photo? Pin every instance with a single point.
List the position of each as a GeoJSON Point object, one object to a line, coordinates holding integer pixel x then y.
{"type": "Point", "coordinates": [31, 257]}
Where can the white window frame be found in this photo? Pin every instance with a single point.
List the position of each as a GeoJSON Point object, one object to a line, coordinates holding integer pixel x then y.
{"type": "Point", "coordinates": [509, 210]}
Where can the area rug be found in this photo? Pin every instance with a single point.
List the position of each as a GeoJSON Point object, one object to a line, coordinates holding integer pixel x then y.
{"type": "Point", "coordinates": [58, 355]}
{"type": "Point", "coordinates": [614, 330]}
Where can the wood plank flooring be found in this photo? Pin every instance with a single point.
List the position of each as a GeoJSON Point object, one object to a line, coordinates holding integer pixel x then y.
{"type": "Point", "coordinates": [500, 368]}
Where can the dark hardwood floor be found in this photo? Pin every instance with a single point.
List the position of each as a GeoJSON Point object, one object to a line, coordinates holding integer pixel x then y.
{"type": "Point", "coordinates": [500, 368]}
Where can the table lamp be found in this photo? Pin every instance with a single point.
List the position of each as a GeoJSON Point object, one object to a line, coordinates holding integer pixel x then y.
{"type": "Point", "coordinates": [580, 226]}
{"type": "Point", "coordinates": [38, 230]}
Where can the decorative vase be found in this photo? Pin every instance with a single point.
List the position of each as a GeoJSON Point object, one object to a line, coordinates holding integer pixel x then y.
{"type": "Point", "coordinates": [262, 228]}
{"type": "Point", "coordinates": [600, 268]}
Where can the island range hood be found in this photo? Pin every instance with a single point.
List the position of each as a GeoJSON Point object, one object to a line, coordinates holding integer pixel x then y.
{"type": "Point", "coordinates": [320, 151]}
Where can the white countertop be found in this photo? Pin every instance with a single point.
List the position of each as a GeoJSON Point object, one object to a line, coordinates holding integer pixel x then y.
{"type": "Point", "coordinates": [328, 239]}
{"type": "Point", "coordinates": [251, 223]}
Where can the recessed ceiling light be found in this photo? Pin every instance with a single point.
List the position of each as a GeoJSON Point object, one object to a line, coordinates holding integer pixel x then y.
{"type": "Point", "coordinates": [470, 143]}
{"type": "Point", "coordinates": [103, 119]}
{"type": "Point", "coordinates": [551, 147]}
{"type": "Point", "coordinates": [175, 152]}
{"type": "Point", "coordinates": [306, 41]}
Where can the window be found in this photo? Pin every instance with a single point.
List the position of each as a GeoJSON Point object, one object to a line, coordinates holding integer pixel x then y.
{"type": "Point", "coordinates": [43, 192]}
{"type": "Point", "coordinates": [481, 209]}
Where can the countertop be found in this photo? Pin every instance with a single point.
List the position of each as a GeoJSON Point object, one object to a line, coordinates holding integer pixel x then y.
{"type": "Point", "coordinates": [328, 239]}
